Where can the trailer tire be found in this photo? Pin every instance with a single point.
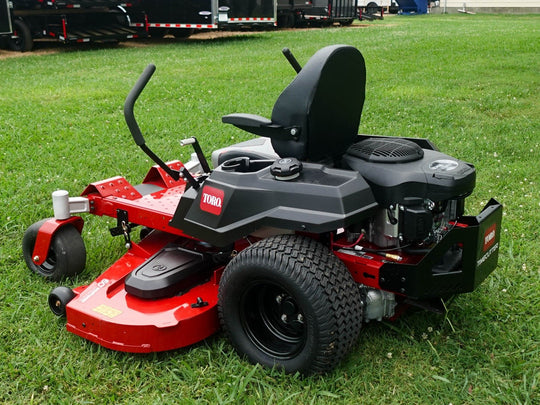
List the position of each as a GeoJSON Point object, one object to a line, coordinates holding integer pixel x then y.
{"type": "Point", "coordinates": [372, 8]}
{"type": "Point", "coordinates": [66, 256]}
{"type": "Point", "coordinates": [286, 20]}
{"type": "Point", "coordinates": [23, 41]}
{"type": "Point", "coordinates": [289, 302]}
{"type": "Point", "coordinates": [183, 32]}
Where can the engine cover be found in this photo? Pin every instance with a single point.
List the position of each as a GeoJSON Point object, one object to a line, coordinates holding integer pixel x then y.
{"type": "Point", "coordinates": [423, 173]}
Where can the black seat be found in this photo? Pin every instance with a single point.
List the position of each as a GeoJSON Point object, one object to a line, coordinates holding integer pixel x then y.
{"type": "Point", "coordinates": [316, 117]}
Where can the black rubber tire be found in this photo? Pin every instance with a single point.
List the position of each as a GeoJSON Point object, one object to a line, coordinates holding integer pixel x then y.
{"type": "Point", "coordinates": [58, 300]}
{"type": "Point", "coordinates": [145, 231]}
{"type": "Point", "coordinates": [286, 20]}
{"type": "Point", "coordinates": [183, 32]}
{"type": "Point", "coordinates": [300, 279]}
{"type": "Point", "coordinates": [23, 42]}
{"type": "Point", "coordinates": [372, 8]}
{"type": "Point", "coordinates": [66, 256]}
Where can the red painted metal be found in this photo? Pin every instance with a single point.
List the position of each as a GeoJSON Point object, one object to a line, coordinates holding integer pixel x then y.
{"type": "Point", "coordinates": [157, 176]}
{"type": "Point", "coordinates": [46, 233]}
{"type": "Point", "coordinates": [153, 210]}
{"type": "Point", "coordinates": [104, 313]}
{"type": "Point", "coordinates": [363, 268]}
{"type": "Point", "coordinates": [64, 29]}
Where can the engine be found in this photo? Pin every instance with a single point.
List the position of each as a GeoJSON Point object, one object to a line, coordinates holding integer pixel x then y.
{"type": "Point", "coordinates": [420, 191]}
{"type": "Point", "coordinates": [418, 222]}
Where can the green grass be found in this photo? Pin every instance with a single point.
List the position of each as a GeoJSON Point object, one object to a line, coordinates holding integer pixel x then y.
{"type": "Point", "coordinates": [468, 83]}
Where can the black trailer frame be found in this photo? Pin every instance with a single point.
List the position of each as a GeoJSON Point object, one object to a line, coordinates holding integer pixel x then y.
{"type": "Point", "coordinates": [66, 21]}
{"type": "Point", "coordinates": [5, 18]}
{"type": "Point", "coordinates": [181, 17]}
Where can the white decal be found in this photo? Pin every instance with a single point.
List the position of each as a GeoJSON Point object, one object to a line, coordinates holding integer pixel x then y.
{"type": "Point", "coordinates": [212, 200]}
{"type": "Point", "coordinates": [100, 285]}
{"type": "Point", "coordinates": [493, 249]}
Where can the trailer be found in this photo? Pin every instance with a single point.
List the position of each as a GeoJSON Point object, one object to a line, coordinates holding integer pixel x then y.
{"type": "Point", "coordinates": [375, 10]}
{"type": "Point", "coordinates": [66, 21]}
{"type": "Point", "coordinates": [181, 17]}
{"type": "Point", "coordinates": [296, 13]}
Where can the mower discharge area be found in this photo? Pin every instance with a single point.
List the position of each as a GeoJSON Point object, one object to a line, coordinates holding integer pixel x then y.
{"type": "Point", "coordinates": [291, 244]}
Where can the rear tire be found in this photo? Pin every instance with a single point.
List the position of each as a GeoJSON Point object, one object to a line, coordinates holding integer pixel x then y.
{"type": "Point", "coordinates": [288, 301]}
{"type": "Point", "coordinates": [66, 256]}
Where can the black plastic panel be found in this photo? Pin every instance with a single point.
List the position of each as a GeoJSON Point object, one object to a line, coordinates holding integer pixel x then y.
{"type": "Point", "coordinates": [231, 204]}
{"type": "Point", "coordinates": [168, 272]}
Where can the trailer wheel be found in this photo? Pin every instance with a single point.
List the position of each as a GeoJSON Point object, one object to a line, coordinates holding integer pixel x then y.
{"type": "Point", "coordinates": [286, 20]}
{"type": "Point", "coordinates": [372, 8]}
{"type": "Point", "coordinates": [21, 39]}
{"type": "Point", "coordinates": [287, 301]}
{"type": "Point", "coordinates": [67, 253]}
{"type": "Point", "coordinates": [183, 32]}
{"type": "Point", "coordinates": [58, 300]}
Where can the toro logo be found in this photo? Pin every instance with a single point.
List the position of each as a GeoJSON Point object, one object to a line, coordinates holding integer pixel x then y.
{"type": "Point", "coordinates": [489, 237]}
{"type": "Point", "coordinates": [212, 200]}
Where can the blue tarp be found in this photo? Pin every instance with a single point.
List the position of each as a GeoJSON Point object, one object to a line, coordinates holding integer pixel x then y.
{"type": "Point", "coordinates": [412, 6]}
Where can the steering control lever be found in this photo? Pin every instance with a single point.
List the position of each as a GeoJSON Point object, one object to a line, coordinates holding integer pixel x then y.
{"type": "Point", "coordinates": [132, 122]}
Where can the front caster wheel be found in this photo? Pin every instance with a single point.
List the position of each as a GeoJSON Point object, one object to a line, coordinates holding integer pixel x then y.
{"type": "Point", "coordinates": [66, 256]}
{"type": "Point", "coordinates": [59, 298]}
{"type": "Point", "coordinates": [287, 301]}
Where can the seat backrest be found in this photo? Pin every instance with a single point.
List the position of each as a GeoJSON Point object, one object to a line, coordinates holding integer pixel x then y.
{"type": "Point", "coordinates": [325, 102]}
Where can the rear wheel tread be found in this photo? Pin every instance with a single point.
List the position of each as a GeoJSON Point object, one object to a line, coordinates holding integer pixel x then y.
{"type": "Point", "coordinates": [324, 281]}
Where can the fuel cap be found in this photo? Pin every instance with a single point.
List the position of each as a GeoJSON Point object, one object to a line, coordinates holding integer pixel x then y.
{"type": "Point", "coordinates": [286, 169]}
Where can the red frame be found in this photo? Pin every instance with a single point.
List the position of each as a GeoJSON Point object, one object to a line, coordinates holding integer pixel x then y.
{"type": "Point", "coordinates": [153, 210]}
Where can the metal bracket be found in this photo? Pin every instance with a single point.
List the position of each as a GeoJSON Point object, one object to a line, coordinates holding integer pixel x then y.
{"type": "Point", "coordinates": [123, 226]}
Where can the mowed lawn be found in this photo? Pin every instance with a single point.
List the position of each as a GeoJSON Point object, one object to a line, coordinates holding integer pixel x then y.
{"type": "Point", "coordinates": [469, 83]}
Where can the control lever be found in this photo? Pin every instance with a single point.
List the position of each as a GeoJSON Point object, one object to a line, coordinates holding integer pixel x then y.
{"type": "Point", "coordinates": [292, 60]}
{"type": "Point", "coordinates": [198, 150]}
{"type": "Point", "coordinates": [132, 122]}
